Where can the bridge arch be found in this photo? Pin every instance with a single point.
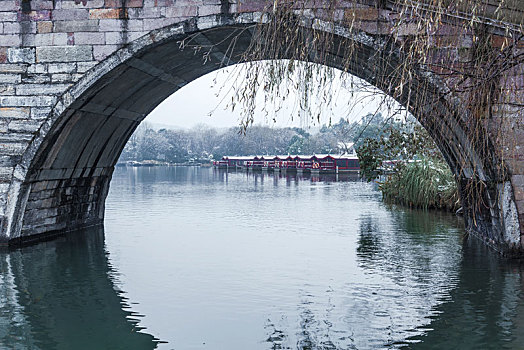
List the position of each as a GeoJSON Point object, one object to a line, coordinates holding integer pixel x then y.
{"type": "Point", "coordinates": [63, 177]}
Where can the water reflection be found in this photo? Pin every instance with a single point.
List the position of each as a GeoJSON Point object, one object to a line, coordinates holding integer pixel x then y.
{"type": "Point", "coordinates": [259, 261]}
{"type": "Point", "coordinates": [484, 310]}
{"type": "Point", "coordinates": [62, 295]}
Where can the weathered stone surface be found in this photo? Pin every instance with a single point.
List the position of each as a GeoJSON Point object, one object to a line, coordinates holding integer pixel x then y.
{"type": "Point", "coordinates": [75, 4]}
{"type": "Point", "coordinates": [29, 101]}
{"type": "Point", "coordinates": [14, 113]}
{"type": "Point", "coordinates": [76, 26]}
{"type": "Point", "coordinates": [24, 126]}
{"type": "Point", "coordinates": [9, 5]}
{"type": "Point", "coordinates": [50, 39]}
{"type": "Point", "coordinates": [40, 113]}
{"type": "Point", "coordinates": [44, 27]}
{"type": "Point", "coordinates": [61, 67]}
{"type": "Point", "coordinates": [83, 67]}
{"type": "Point", "coordinates": [129, 3]}
{"type": "Point", "coordinates": [10, 78]}
{"type": "Point", "coordinates": [24, 55]}
{"type": "Point", "coordinates": [71, 14]}
{"type": "Point", "coordinates": [91, 38]}
{"type": "Point", "coordinates": [8, 17]}
{"type": "Point", "coordinates": [107, 13]}
{"type": "Point", "coordinates": [41, 89]}
{"type": "Point", "coordinates": [64, 53]}
{"type": "Point", "coordinates": [13, 68]}
{"type": "Point", "coordinates": [41, 15]}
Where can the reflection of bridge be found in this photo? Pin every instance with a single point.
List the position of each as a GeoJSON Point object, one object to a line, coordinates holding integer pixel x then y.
{"type": "Point", "coordinates": [77, 77]}
{"type": "Point", "coordinates": [67, 300]}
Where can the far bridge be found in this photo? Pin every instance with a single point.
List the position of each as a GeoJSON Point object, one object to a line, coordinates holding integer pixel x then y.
{"type": "Point", "coordinates": [78, 76]}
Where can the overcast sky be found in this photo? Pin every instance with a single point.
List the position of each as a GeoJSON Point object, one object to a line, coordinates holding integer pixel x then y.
{"type": "Point", "coordinates": [204, 101]}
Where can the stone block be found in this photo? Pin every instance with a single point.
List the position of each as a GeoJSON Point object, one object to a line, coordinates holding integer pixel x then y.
{"type": "Point", "coordinates": [209, 10]}
{"type": "Point", "coordinates": [9, 5]}
{"type": "Point", "coordinates": [151, 24]}
{"type": "Point", "coordinates": [115, 38]}
{"type": "Point", "coordinates": [18, 137]}
{"type": "Point", "coordinates": [83, 67]}
{"type": "Point", "coordinates": [8, 17]}
{"type": "Point", "coordinates": [38, 68]}
{"type": "Point", "coordinates": [8, 161]}
{"type": "Point", "coordinates": [61, 67]}
{"type": "Point", "coordinates": [518, 193]}
{"type": "Point", "coordinates": [77, 26]}
{"type": "Point", "coordinates": [181, 11]}
{"type": "Point", "coordinates": [41, 89]}
{"type": "Point", "coordinates": [34, 16]}
{"type": "Point", "coordinates": [7, 89]}
{"type": "Point", "coordinates": [11, 28]}
{"type": "Point", "coordinates": [61, 78]}
{"type": "Point", "coordinates": [76, 4]}
{"type": "Point", "coordinates": [3, 54]}
{"type": "Point", "coordinates": [15, 112]}
{"type": "Point", "coordinates": [9, 40]}
{"type": "Point", "coordinates": [366, 14]}
{"type": "Point", "coordinates": [64, 53]}
{"type": "Point", "coordinates": [135, 35]}
{"type": "Point", "coordinates": [12, 148]}
{"type": "Point", "coordinates": [102, 51]}
{"type": "Point", "coordinates": [520, 207]}
{"type": "Point", "coordinates": [146, 12]}
{"type": "Point", "coordinates": [27, 101]}
{"type": "Point", "coordinates": [70, 15]}
{"type": "Point", "coordinates": [44, 27]}
{"type": "Point", "coordinates": [24, 126]}
{"type": "Point", "coordinates": [25, 55]}
{"type": "Point", "coordinates": [517, 181]}
{"type": "Point", "coordinates": [42, 4]}
{"type": "Point", "coordinates": [129, 3]}
{"type": "Point", "coordinates": [118, 25]}
{"type": "Point", "coordinates": [6, 174]}
{"type": "Point", "coordinates": [158, 3]}
{"type": "Point", "coordinates": [108, 13]}
{"type": "Point", "coordinates": [10, 78]}
{"type": "Point", "coordinates": [76, 77]}
{"type": "Point", "coordinates": [51, 39]}
{"type": "Point", "coordinates": [91, 38]}
{"type": "Point", "coordinates": [40, 203]}
{"type": "Point", "coordinates": [35, 79]}
{"type": "Point", "coordinates": [500, 41]}
{"type": "Point", "coordinates": [40, 113]}
{"type": "Point", "coordinates": [13, 68]}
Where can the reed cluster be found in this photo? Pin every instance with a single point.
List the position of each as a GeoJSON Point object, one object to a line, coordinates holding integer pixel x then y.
{"type": "Point", "coordinates": [426, 183]}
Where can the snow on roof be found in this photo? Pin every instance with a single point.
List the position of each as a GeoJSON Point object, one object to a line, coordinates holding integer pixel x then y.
{"type": "Point", "coordinates": [302, 157]}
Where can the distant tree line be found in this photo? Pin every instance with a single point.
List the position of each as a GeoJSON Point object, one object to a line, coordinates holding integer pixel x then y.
{"type": "Point", "coordinates": [204, 143]}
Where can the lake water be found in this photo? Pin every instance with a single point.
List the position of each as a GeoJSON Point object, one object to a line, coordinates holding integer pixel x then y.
{"type": "Point", "coordinates": [195, 258]}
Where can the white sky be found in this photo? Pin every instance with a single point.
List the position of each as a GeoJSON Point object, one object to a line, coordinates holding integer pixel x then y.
{"type": "Point", "coordinates": [204, 102]}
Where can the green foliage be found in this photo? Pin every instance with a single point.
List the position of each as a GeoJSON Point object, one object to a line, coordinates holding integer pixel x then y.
{"type": "Point", "coordinates": [422, 184]}
{"type": "Point", "coordinates": [398, 142]}
{"type": "Point", "coordinates": [415, 173]}
{"type": "Point", "coordinates": [370, 158]}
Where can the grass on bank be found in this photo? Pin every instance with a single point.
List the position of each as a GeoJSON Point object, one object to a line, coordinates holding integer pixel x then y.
{"type": "Point", "coordinates": [426, 184]}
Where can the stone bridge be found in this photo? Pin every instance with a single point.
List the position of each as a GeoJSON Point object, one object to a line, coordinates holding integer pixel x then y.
{"type": "Point", "coordinates": [78, 76]}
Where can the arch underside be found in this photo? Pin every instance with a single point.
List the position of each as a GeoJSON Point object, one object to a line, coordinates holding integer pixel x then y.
{"type": "Point", "coordinates": [68, 178]}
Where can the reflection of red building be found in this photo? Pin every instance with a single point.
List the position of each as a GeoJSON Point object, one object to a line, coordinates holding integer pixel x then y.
{"type": "Point", "coordinates": [317, 162]}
